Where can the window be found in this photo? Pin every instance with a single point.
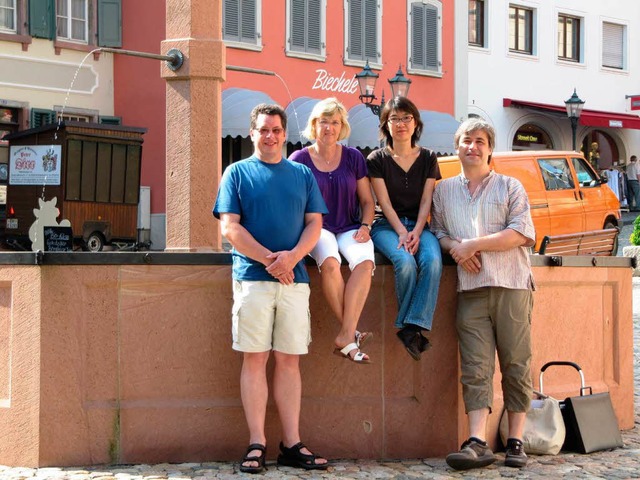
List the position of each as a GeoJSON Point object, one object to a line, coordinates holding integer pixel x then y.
{"type": "Point", "coordinates": [66, 117]}
{"type": "Point", "coordinates": [569, 33]}
{"type": "Point", "coordinates": [8, 16]}
{"type": "Point", "coordinates": [520, 30]}
{"type": "Point", "coordinates": [240, 18]}
{"type": "Point", "coordinates": [586, 177]}
{"type": "Point", "coordinates": [363, 29]}
{"type": "Point", "coordinates": [556, 174]}
{"type": "Point", "coordinates": [614, 45]}
{"type": "Point", "coordinates": [306, 27]}
{"type": "Point", "coordinates": [476, 23]}
{"type": "Point", "coordinates": [77, 23]}
{"type": "Point", "coordinates": [425, 35]}
{"type": "Point", "coordinates": [14, 22]}
{"type": "Point", "coordinates": [41, 116]}
{"type": "Point", "coordinates": [72, 20]}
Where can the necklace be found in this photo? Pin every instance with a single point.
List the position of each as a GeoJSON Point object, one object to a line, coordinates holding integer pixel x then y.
{"type": "Point", "coordinates": [329, 160]}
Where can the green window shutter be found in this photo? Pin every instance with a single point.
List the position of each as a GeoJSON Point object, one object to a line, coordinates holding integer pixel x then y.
{"type": "Point", "coordinates": [42, 19]}
{"type": "Point", "coordinates": [110, 23]}
{"type": "Point", "coordinates": [40, 117]}
{"type": "Point", "coordinates": [107, 120]}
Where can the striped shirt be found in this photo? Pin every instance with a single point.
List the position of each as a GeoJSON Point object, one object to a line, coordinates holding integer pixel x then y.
{"type": "Point", "coordinates": [498, 203]}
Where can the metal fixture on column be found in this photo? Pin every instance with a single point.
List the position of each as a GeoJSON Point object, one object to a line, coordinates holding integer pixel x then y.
{"type": "Point", "coordinates": [574, 109]}
{"type": "Point", "coordinates": [367, 83]}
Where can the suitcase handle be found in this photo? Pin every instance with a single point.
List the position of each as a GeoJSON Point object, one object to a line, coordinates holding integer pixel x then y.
{"type": "Point", "coordinates": [563, 363]}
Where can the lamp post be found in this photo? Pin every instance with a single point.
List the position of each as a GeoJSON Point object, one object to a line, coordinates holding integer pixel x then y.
{"type": "Point", "coordinates": [367, 84]}
{"type": "Point", "coordinates": [574, 109]}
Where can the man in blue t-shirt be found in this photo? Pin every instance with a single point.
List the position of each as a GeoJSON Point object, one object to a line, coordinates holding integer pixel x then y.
{"type": "Point", "coordinates": [271, 210]}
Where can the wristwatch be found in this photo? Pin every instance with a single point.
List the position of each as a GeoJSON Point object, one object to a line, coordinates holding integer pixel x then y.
{"type": "Point", "coordinates": [366, 225]}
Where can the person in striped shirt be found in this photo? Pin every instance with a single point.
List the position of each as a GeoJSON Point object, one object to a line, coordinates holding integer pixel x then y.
{"type": "Point", "coordinates": [482, 219]}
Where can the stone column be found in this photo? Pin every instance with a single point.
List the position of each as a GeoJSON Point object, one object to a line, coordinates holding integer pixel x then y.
{"type": "Point", "coordinates": [194, 117]}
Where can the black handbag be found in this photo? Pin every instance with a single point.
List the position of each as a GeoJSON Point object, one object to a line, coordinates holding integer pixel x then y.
{"type": "Point", "coordinates": [589, 419]}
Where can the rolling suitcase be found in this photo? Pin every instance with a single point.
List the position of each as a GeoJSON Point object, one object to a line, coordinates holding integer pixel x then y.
{"type": "Point", "coordinates": [589, 419]}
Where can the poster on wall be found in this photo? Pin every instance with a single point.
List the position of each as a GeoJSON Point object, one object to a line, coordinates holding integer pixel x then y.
{"type": "Point", "coordinates": [35, 165]}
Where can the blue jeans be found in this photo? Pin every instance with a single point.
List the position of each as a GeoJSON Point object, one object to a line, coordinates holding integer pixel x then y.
{"type": "Point", "coordinates": [417, 276]}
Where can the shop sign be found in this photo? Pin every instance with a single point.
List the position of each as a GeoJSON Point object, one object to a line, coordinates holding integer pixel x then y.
{"type": "Point", "coordinates": [35, 165]}
{"type": "Point", "coordinates": [527, 138]}
{"type": "Point", "coordinates": [329, 83]}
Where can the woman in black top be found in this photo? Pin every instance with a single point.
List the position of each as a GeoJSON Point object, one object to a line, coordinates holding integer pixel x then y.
{"type": "Point", "coordinates": [403, 176]}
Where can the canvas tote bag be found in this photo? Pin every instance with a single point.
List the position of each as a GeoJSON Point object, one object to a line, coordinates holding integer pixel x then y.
{"type": "Point", "coordinates": [544, 429]}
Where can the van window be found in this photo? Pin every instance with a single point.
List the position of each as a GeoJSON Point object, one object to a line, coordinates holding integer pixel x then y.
{"type": "Point", "coordinates": [586, 176]}
{"type": "Point", "coordinates": [556, 173]}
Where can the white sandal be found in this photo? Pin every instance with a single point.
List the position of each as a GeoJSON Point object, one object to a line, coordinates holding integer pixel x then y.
{"type": "Point", "coordinates": [359, 357]}
{"type": "Point", "coordinates": [363, 337]}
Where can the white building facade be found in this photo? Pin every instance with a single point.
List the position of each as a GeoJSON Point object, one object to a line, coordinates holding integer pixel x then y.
{"type": "Point", "coordinates": [527, 57]}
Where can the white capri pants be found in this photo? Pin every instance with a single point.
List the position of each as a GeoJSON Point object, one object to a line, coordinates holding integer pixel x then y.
{"type": "Point", "coordinates": [332, 245]}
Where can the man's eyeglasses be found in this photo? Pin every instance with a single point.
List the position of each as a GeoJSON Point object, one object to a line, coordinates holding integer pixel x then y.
{"type": "Point", "coordinates": [399, 120]}
{"type": "Point", "coordinates": [277, 131]}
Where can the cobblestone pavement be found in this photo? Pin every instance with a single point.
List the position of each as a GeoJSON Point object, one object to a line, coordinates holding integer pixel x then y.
{"type": "Point", "coordinates": [622, 463]}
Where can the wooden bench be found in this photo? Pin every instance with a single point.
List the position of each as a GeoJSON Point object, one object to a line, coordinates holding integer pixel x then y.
{"type": "Point", "coordinates": [595, 243]}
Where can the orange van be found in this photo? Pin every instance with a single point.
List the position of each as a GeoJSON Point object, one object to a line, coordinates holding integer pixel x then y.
{"type": "Point", "coordinates": [566, 195]}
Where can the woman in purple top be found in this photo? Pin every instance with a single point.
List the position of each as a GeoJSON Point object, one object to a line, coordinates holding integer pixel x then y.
{"type": "Point", "coordinates": [341, 173]}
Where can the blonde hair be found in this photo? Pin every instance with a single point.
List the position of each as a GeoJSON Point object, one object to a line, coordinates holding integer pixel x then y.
{"type": "Point", "coordinates": [327, 108]}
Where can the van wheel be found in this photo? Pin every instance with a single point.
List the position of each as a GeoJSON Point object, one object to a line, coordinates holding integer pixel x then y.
{"type": "Point", "coordinates": [614, 252]}
{"type": "Point", "coordinates": [95, 242]}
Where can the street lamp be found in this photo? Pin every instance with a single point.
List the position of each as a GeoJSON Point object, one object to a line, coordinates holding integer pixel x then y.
{"type": "Point", "coordinates": [574, 109]}
{"type": "Point", "coordinates": [367, 84]}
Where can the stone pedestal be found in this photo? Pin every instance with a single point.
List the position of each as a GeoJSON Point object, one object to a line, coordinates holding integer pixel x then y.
{"type": "Point", "coordinates": [133, 364]}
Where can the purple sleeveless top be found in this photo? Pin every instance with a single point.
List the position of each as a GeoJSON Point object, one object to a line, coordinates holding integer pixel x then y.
{"type": "Point", "coordinates": [338, 188]}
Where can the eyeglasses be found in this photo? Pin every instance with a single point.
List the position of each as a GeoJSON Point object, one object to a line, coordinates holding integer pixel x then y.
{"type": "Point", "coordinates": [277, 131]}
{"type": "Point", "coordinates": [399, 120]}
{"type": "Point", "coordinates": [327, 123]}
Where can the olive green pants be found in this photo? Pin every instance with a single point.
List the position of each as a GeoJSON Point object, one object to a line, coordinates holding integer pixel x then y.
{"type": "Point", "coordinates": [490, 319]}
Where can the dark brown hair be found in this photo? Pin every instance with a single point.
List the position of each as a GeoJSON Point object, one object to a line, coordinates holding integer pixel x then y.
{"type": "Point", "coordinates": [267, 109]}
{"type": "Point", "coordinates": [402, 104]}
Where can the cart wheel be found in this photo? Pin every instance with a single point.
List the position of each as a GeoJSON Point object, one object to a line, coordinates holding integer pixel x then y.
{"type": "Point", "coordinates": [95, 242]}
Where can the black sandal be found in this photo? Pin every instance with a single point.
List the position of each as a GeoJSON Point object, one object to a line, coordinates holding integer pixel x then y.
{"type": "Point", "coordinates": [260, 459]}
{"type": "Point", "coordinates": [293, 457]}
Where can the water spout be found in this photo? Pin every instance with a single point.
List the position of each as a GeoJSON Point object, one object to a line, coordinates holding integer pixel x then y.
{"type": "Point", "coordinates": [174, 57]}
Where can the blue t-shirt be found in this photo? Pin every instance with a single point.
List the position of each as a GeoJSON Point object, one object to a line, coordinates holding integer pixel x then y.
{"type": "Point", "coordinates": [272, 200]}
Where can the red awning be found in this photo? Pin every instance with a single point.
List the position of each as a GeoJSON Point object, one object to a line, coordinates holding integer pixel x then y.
{"type": "Point", "coordinates": [588, 118]}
